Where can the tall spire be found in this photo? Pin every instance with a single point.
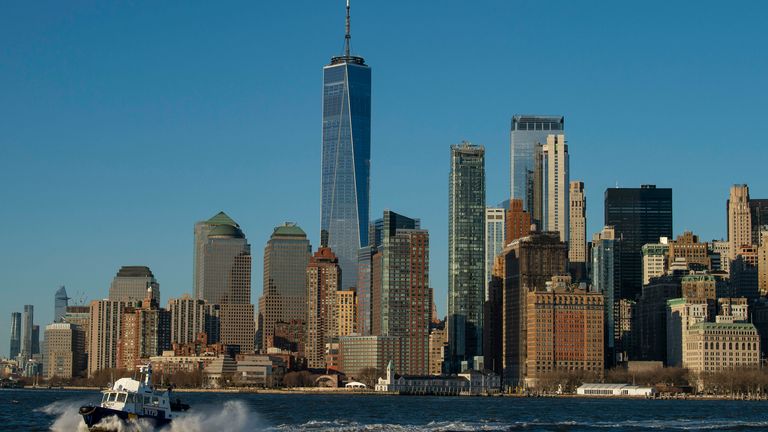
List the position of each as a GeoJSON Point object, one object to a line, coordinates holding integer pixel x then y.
{"type": "Point", "coordinates": [347, 36]}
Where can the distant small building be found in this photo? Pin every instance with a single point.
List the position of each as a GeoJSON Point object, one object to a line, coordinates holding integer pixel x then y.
{"type": "Point", "coordinates": [470, 382]}
{"type": "Point", "coordinates": [615, 390]}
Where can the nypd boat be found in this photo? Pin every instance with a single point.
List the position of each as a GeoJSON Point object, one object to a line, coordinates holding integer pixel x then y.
{"type": "Point", "coordinates": [131, 400]}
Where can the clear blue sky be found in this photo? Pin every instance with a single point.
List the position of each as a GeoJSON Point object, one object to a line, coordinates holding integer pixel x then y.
{"type": "Point", "coordinates": [124, 123]}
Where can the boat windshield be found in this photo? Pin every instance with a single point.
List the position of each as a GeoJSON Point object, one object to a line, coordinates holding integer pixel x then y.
{"type": "Point", "coordinates": [112, 397]}
{"type": "Point", "coordinates": [105, 397]}
{"type": "Point", "coordinates": [121, 397]}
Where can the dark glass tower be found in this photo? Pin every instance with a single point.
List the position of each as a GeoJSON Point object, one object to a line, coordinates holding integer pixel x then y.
{"type": "Point", "coordinates": [346, 157]}
{"type": "Point", "coordinates": [466, 254]}
{"type": "Point", "coordinates": [639, 216]}
{"type": "Point", "coordinates": [15, 334]}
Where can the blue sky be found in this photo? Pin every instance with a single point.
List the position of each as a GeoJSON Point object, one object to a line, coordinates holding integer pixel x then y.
{"type": "Point", "coordinates": [124, 123]}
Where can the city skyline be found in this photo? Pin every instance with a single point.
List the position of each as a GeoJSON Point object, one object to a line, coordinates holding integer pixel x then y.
{"type": "Point", "coordinates": [126, 232]}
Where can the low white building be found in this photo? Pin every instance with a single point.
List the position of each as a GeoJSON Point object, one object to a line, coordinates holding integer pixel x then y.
{"type": "Point", "coordinates": [615, 390]}
{"type": "Point", "coordinates": [470, 382]}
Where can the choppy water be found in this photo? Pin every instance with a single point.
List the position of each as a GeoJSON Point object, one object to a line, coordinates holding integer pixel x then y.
{"type": "Point", "coordinates": [43, 410]}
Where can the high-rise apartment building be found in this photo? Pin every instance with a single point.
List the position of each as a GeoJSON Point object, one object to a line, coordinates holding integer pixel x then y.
{"type": "Point", "coordinates": [15, 334]}
{"type": "Point", "coordinates": [323, 280]}
{"type": "Point", "coordinates": [758, 209]}
{"type": "Point", "coordinates": [376, 228]}
{"type": "Point", "coordinates": [105, 322]}
{"type": "Point", "coordinates": [606, 279]}
{"type": "Point", "coordinates": [564, 331]}
{"type": "Point", "coordinates": [190, 317]}
{"type": "Point", "coordinates": [494, 239]}
{"type": "Point", "coordinates": [145, 331]}
{"type": "Point", "coordinates": [739, 219]}
{"type": "Point", "coordinates": [554, 186]}
{"type": "Point", "coordinates": [577, 242]}
{"type": "Point", "coordinates": [466, 254]}
{"type": "Point", "coordinates": [284, 298]}
{"type": "Point", "coordinates": [60, 302]}
{"type": "Point", "coordinates": [131, 283]}
{"type": "Point", "coordinates": [80, 316]}
{"type": "Point", "coordinates": [655, 259]}
{"type": "Point", "coordinates": [527, 132]}
{"type": "Point", "coordinates": [345, 312]}
{"type": "Point", "coordinates": [517, 220]}
{"type": "Point", "coordinates": [530, 262]}
{"type": "Point", "coordinates": [65, 350]}
{"type": "Point", "coordinates": [438, 340]}
{"type": "Point", "coordinates": [639, 216]}
{"type": "Point", "coordinates": [223, 276]}
{"type": "Point", "coordinates": [346, 158]}
{"type": "Point", "coordinates": [402, 292]}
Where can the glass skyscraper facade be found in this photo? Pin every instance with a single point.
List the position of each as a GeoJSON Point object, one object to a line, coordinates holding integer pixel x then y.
{"type": "Point", "coordinates": [346, 159]}
{"type": "Point", "coordinates": [15, 334]}
{"type": "Point", "coordinates": [526, 133]}
{"type": "Point", "coordinates": [639, 216]}
{"type": "Point", "coordinates": [466, 254]}
{"type": "Point", "coordinates": [60, 303]}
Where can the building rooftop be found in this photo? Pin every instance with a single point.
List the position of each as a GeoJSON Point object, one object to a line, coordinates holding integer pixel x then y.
{"type": "Point", "coordinates": [226, 231]}
{"type": "Point", "coordinates": [135, 271]}
{"type": "Point", "coordinates": [289, 229]}
{"type": "Point", "coordinates": [722, 326]}
{"type": "Point", "coordinates": [222, 218]}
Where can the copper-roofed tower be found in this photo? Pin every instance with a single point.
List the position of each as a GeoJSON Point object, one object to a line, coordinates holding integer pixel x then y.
{"type": "Point", "coordinates": [284, 297]}
{"type": "Point", "coordinates": [346, 150]}
{"type": "Point", "coordinates": [223, 276]}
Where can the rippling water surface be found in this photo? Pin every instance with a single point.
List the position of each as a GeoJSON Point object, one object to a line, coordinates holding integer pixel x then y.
{"type": "Point", "coordinates": [43, 410]}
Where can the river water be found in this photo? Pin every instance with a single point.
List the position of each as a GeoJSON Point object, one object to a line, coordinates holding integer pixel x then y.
{"type": "Point", "coordinates": [56, 410]}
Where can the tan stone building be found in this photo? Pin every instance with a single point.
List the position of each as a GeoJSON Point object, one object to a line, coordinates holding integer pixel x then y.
{"type": "Point", "coordinates": [699, 286]}
{"type": "Point", "coordinates": [565, 330]}
{"type": "Point", "coordinates": [714, 347]}
{"type": "Point", "coordinates": [346, 312]}
{"type": "Point", "coordinates": [577, 244]}
{"type": "Point", "coordinates": [739, 219]}
{"type": "Point", "coordinates": [65, 357]}
{"type": "Point", "coordinates": [682, 313]}
{"type": "Point", "coordinates": [105, 322]}
{"type": "Point", "coordinates": [655, 260]}
{"type": "Point", "coordinates": [438, 340]}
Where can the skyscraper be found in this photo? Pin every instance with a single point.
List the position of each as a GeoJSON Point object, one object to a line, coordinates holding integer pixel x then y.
{"type": "Point", "coordinates": [466, 254]}
{"type": "Point", "coordinates": [105, 322]}
{"type": "Point", "coordinates": [223, 277]}
{"type": "Point", "coordinates": [190, 317]}
{"type": "Point", "coordinates": [494, 240]}
{"type": "Point", "coordinates": [60, 303]}
{"type": "Point", "coordinates": [346, 157]}
{"type": "Point", "coordinates": [131, 283]}
{"type": "Point", "coordinates": [284, 297]}
{"type": "Point", "coordinates": [606, 279]}
{"type": "Point", "coordinates": [577, 244]}
{"type": "Point", "coordinates": [15, 334]}
{"type": "Point", "coordinates": [739, 219]}
{"type": "Point", "coordinates": [554, 188]}
{"type": "Point", "coordinates": [402, 293]}
{"type": "Point", "coordinates": [526, 133]}
{"type": "Point", "coordinates": [26, 331]}
{"type": "Point", "coordinates": [323, 280]}
{"type": "Point", "coordinates": [145, 331]}
{"type": "Point", "coordinates": [639, 216]}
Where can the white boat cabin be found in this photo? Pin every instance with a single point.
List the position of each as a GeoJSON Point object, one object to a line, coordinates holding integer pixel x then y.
{"type": "Point", "coordinates": [138, 397]}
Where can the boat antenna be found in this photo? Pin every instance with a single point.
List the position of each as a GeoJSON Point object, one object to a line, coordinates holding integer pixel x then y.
{"type": "Point", "coordinates": [347, 35]}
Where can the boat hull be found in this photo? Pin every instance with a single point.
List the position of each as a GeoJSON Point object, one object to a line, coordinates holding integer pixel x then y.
{"type": "Point", "coordinates": [93, 415]}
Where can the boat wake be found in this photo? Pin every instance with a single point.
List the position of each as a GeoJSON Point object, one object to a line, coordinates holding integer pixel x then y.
{"type": "Point", "coordinates": [234, 416]}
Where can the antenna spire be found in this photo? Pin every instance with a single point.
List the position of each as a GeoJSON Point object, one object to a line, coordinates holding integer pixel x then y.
{"type": "Point", "coordinates": [347, 36]}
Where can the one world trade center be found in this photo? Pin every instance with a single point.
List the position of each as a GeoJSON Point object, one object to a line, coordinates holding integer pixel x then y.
{"type": "Point", "coordinates": [346, 158]}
